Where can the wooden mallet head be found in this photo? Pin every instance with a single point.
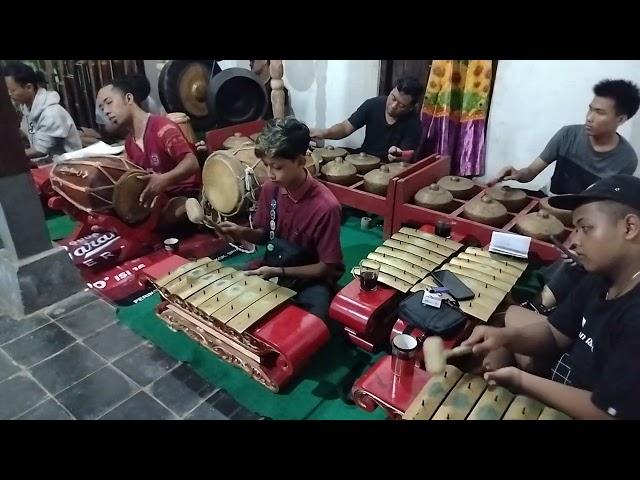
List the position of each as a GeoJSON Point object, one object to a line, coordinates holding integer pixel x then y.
{"type": "Point", "coordinates": [435, 356]}
{"type": "Point", "coordinates": [194, 211]}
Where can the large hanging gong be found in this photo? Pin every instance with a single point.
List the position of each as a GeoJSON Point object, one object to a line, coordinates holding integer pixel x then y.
{"type": "Point", "coordinates": [182, 86]}
{"type": "Point", "coordinates": [236, 95]}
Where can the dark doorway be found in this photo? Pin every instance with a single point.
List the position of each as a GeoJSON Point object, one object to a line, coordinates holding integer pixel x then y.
{"type": "Point", "coordinates": [392, 70]}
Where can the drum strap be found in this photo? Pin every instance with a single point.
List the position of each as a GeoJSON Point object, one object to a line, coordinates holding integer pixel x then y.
{"type": "Point", "coordinates": [247, 178]}
{"type": "Point", "coordinates": [249, 175]}
{"type": "Point", "coordinates": [281, 253]}
{"type": "Point", "coordinates": [272, 219]}
{"type": "Point", "coordinates": [253, 247]}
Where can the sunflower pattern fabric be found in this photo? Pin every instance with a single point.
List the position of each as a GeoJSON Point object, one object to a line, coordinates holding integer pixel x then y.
{"type": "Point", "coordinates": [454, 113]}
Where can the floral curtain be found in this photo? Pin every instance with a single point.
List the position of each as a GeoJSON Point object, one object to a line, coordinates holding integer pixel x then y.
{"type": "Point", "coordinates": [454, 113]}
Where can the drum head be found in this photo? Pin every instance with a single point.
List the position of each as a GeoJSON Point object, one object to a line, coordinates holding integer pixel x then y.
{"type": "Point", "coordinates": [126, 195]}
{"type": "Point", "coordinates": [223, 182]}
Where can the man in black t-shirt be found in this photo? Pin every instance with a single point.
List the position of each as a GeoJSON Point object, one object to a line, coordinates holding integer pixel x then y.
{"type": "Point", "coordinates": [392, 122]}
{"type": "Point", "coordinates": [594, 334]}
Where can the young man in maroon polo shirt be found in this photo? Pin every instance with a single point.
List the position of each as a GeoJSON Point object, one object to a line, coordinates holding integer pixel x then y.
{"type": "Point", "coordinates": [307, 218]}
{"type": "Point", "coordinates": [157, 145]}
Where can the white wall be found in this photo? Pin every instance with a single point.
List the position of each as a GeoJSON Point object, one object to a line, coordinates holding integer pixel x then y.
{"type": "Point", "coordinates": [152, 69]}
{"type": "Point", "coordinates": [224, 64]}
{"type": "Point", "coordinates": [532, 99]}
{"type": "Point", "coordinates": [325, 92]}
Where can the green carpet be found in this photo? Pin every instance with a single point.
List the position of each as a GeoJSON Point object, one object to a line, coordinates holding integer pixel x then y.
{"type": "Point", "coordinates": [60, 226]}
{"type": "Point", "coordinates": [316, 394]}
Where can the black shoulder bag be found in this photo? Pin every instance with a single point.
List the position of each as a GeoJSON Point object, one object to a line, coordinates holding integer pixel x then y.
{"type": "Point", "coordinates": [444, 322]}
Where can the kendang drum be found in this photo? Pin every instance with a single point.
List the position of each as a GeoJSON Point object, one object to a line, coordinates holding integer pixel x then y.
{"type": "Point", "coordinates": [105, 184]}
{"type": "Point", "coordinates": [231, 180]}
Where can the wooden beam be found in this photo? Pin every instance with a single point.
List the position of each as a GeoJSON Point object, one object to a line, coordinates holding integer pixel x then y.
{"type": "Point", "coordinates": [276, 70]}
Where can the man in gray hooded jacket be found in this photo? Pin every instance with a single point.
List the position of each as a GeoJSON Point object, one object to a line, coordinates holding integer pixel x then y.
{"type": "Point", "coordinates": [48, 126]}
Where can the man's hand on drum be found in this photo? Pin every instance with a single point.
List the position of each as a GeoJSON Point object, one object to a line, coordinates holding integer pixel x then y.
{"type": "Point", "coordinates": [156, 185]}
{"type": "Point", "coordinates": [230, 232]}
{"type": "Point", "coordinates": [265, 272]}
{"type": "Point", "coordinates": [201, 151]}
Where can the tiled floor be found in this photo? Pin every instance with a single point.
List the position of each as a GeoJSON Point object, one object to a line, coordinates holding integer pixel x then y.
{"type": "Point", "coordinates": [74, 361]}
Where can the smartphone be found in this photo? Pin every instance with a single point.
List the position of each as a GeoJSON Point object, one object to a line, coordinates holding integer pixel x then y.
{"type": "Point", "coordinates": [450, 281]}
{"type": "Point", "coordinates": [565, 250]}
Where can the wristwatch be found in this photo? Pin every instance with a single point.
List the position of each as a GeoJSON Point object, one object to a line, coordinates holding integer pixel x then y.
{"type": "Point", "coordinates": [538, 307]}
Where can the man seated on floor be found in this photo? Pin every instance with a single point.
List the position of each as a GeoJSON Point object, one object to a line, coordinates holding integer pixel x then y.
{"type": "Point", "coordinates": [141, 89]}
{"type": "Point", "coordinates": [298, 218]}
{"type": "Point", "coordinates": [157, 145]}
{"type": "Point", "coordinates": [392, 122]}
{"type": "Point", "coordinates": [592, 340]}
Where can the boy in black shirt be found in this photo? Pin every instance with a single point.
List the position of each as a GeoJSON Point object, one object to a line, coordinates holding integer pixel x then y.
{"type": "Point", "coordinates": [392, 122]}
{"type": "Point", "coordinates": [595, 332]}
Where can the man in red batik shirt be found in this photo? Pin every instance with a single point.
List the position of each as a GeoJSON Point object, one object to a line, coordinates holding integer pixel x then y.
{"type": "Point", "coordinates": [158, 146]}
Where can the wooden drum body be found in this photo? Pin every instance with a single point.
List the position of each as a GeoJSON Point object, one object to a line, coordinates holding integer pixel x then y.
{"type": "Point", "coordinates": [103, 184]}
{"type": "Point", "coordinates": [231, 180]}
